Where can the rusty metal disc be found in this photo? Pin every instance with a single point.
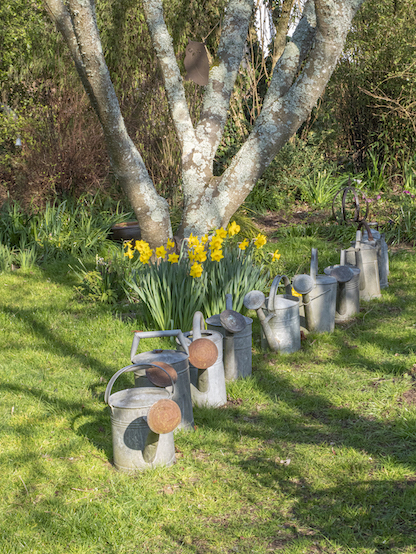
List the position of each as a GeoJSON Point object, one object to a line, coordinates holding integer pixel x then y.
{"type": "Point", "coordinates": [159, 377]}
{"type": "Point", "coordinates": [164, 416]}
{"type": "Point", "coordinates": [203, 353]}
{"type": "Point", "coordinates": [232, 321]}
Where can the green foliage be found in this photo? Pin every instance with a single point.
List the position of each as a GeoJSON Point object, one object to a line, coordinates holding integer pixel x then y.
{"type": "Point", "coordinates": [6, 257]}
{"type": "Point", "coordinates": [319, 188]}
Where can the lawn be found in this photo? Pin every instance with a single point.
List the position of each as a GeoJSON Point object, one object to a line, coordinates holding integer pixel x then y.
{"type": "Point", "coordinates": [315, 453]}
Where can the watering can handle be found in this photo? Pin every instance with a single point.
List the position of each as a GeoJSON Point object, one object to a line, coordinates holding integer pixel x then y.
{"type": "Point", "coordinates": [153, 334]}
{"type": "Point", "coordinates": [228, 301]}
{"type": "Point", "coordinates": [126, 370]}
{"type": "Point", "coordinates": [314, 264]}
{"type": "Point", "coordinates": [198, 325]}
{"type": "Point", "coordinates": [273, 290]}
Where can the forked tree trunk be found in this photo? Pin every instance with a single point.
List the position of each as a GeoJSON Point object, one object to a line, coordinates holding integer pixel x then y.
{"type": "Point", "coordinates": [299, 78]}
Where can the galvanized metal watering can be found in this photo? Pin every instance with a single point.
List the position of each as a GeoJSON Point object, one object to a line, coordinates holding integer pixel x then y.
{"type": "Point", "coordinates": [236, 330]}
{"type": "Point", "coordinates": [374, 238]}
{"type": "Point", "coordinates": [207, 368]}
{"type": "Point", "coordinates": [281, 323]}
{"type": "Point", "coordinates": [319, 294]}
{"type": "Point", "coordinates": [348, 291]}
{"type": "Point", "coordinates": [143, 420]}
{"type": "Point", "coordinates": [364, 256]}
{"type": "Point", "coordinates": [179, 360]}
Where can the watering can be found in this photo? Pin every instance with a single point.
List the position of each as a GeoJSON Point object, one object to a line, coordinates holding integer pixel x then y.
{"type": "Point", "coordinates": [348, 291]}
{"type": "Point", "coordinates": [280, 324]}
{"type": "Point", "coordinates": [207, 368]}
{"type": "Point", "coordinates": [177, 359]}
{"type": "Point", "coordinates": [236, 330]}
{"type": "Point", "coordinates": [319, 294]}
{"type": "Point", "coordinates": [364, 256]}
{"type": "Point", "coordinates": [143, 420]}
{"type": "Point", "coordinates": [374, 238]}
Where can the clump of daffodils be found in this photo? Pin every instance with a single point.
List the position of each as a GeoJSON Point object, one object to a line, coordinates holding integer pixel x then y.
{"type": "Point", "coordinates": [199, 249]}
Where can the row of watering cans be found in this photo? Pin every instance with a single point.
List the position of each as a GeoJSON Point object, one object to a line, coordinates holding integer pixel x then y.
{"type": "Point", "coordinates": [325, 299]}
{"type": "Point", "coordinates": [168, 383]}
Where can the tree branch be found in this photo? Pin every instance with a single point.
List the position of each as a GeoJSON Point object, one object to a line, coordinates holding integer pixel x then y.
{"type": "Point", "coordinates": [222, 76]}
{"type": "Point", "coordinates": [162, 43]}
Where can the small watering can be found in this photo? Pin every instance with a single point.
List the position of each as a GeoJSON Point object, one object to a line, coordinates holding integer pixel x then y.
{"type": "Point", "coordinates": [206, 368]}
{"type": "Point", "coordinates": [379, 242]}
{"type": "Point", "coordinates": [319, 294]}
{"type": "Point", "coordinates": [177, 359]}
{"type": "Point", "coordinates": [143, 420]}
{"type": "Point", "coordinates": [348, 292]}
{"type": "Point", "coordinates": [364, 256]}
{"type": "Point", "coordinates": [236, 330]}
{"type": "Point", "coordinates": [280, 324]}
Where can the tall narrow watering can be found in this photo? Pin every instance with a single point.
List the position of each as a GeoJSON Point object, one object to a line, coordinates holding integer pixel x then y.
{"type": "Point", "coordinates": [281, 323]}
{"type": "Point", "coordinates": [207, 368]}
{"type": "Point", "coordinates": [236, 330]}
{"type": "Point", "coordinates": [143, 420]}
{"type": "Point", "coordinates": [364, 256]}
{"type": "Point", "coordinates": [374, 238]}
{"type": "Point", "coordinates": [319, 294]}
{"type": "Point", "coordinates": [177, 359]}
{"type": "Point", "coordinates": [348, 291]}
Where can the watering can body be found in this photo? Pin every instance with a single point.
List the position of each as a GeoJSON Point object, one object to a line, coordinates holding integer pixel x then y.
{"type": "Point", "coordinates": [178, 360]}
{"type": "Point", "coordinates": [348, 295]}
{"type": "Point", "coordinates": [379, 242]}
{"type": "Point", "coordinates": [135, 446]}
{"type": "Point", "coordinates": [208, 385]}
{"type": "Point", "coordinates": [318, 315]}
{"type": "Point", "coordinates": [364, 256]}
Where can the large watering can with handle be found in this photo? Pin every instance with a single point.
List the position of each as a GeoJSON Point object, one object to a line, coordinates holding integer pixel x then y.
{"type": "Point", "coordinates": [179, 360]}
{"type": "Point", "coordinates": [364, 256]}
{"type": "Point", "coordinates": [143, 420]}
{"type": "Point", "coordinates": [319, 294]}
{"type": "Point", "coordinates": [206, 368]}
{"type": "Point", "coordinates": [236, 330]}
{"type": "Point", "coordinates": [278, 315]}
{"type": "Point", "coordinates": [377, 240]}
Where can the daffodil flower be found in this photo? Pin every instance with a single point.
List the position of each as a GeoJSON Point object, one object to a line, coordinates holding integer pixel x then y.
{"type": "Point", "coordinates": [216, 243]}
{"type": "Point", "coordinates": [170, 244]}
{"type": "Point", "coordinates": [221, 232]}
{"type": "Point", "coordinates": [196, 270]}
{"type": "Point", "coordinates": [141, 246]}
{"type": "Point", "coordinates": [200, 256]}
{"type": "Point", "coordinates": [129, 253]}
{"type": "Point", "coordinates": [260, 240]}
{"type": "Point", "coordinates": [233, 229]}
{"type": "Point", "coordinates": [217, 255]}
{"type": "Point", "coordinates": [275, 256]}
{"type": "Point", "coordinates": [173, 258]}
{"type": "Point", "coordinates": [204, 239]}
{"type": "Point", "coordinates": [193, 241]}
{"type": "Point", "coordinates": [243, 245]}
{"type": "Point", "coordinates": [160, 252]}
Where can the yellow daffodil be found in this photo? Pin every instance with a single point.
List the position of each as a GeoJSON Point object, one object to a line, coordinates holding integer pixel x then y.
{"type": "Point", "coordinates": [216, 243]}
{"type": "Point", "coordinates": [243, 245]}
{"type": "Point", "coordinates": [216, 255]}
{"type": "Point", "coordinates": [129, 253]}
{"type": "Point", "coordinates": [221, 232]}
{"type": "Point", "coordinates": [170, 244]}
{"type": "Point", "coordinates": [160, 252]}
{"type": "Point", "coordinates": [173, 258]}
{"type": "Point", "coordinates": [191, 256]}
{"type": "Point", "coordinates": [260, 240]}
{"type": "Point", "coordinates": [204, 239]}
{"type": "Point", "coordinates": [145, 256]}
{"type": "Point", "coordinates": [200, 256]}
{"type": "Point", "coordinates": [233, 229]}
{"type": "Point", "coordinates": [193, 241]}
{"type": "Point", "coordinates": [294, 293]}
{"type": "Point", "coordinates": [196, 270]}
{"type": "Point", "coordinates": [142, 246]}
{"type": "Point", "coordinates": [275, 256]}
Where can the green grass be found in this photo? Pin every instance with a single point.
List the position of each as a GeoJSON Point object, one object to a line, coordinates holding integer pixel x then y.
{"type": "Point", "coordinates": [342, 410]}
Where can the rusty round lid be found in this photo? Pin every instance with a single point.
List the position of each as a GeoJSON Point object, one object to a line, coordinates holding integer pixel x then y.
{"type": "Point", "coordinates": [164, 416]}
{"type": "Point", "coordinates": [232, 321]}
{"type": "Point", "coordinates": [203, 353]}
{"type": "Point", "coordinates": [159, 377]}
